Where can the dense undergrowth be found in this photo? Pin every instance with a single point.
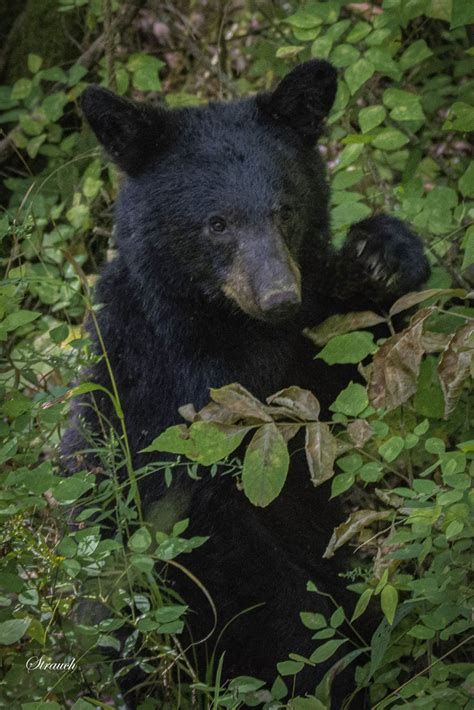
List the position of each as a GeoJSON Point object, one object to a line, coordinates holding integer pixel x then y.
{"type": "Point", "coordinates": [401, 447]}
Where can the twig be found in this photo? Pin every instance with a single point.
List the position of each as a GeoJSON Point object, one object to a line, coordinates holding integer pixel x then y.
{"type": "Point", "coordinates": [109, 44]}
{"type": "Point", "coordinates": [198, 54]}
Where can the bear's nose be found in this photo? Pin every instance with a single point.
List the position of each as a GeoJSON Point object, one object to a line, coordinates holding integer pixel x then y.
{"type": "Point", "coordinates": [280, 305]}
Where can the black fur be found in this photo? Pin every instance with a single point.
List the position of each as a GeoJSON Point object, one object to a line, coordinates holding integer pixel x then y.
{"type": "Point", "coordinates": [171, 332]}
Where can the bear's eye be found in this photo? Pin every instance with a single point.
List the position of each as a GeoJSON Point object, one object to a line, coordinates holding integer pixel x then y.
{"type": "Point", "coordinates": [218, 225]}
{"type": "Point", "coordinates": [286, 213]}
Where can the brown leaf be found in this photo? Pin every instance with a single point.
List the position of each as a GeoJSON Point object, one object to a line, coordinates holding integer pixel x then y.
{"type": "Point", "coordinates": [301, 403]}
{"type": "Point", "coordinates": [412, 299]}
{"type": "Point", "coordinates": [360, 432]}
{"type": "Point", "coordinates": [321, 451]}
{"type": "Point", "coordinates": [455, 366]}
{"type": "Point", "coordinates": [342, 447]}
{"type": "Point", "coordinates": [434, 342]}
{"type": "Point", "coordinates": [396, 365]}
{"type": "Point", "coordinates": [239, 401]}
{"type": "Point", "coordinates": [355, 523]}
{"type": "Point", "coordinates": [188, 412]}
{"type": "Point", "coordinates": [342, 323]}
{"type": "Point", "coordinates": [388, 497]}
{"type": "Point", "coordinates": [214, 412]}
{"type": "Point", "coordinates": [288, 431]}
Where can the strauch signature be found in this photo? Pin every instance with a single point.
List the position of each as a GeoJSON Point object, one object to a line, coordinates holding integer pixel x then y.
{"type": "Point", "coordinates": [40, 663]}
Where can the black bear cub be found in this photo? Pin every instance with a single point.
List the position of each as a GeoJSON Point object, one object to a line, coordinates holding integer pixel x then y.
{"type": "Point", "coordinates": [224, 255]}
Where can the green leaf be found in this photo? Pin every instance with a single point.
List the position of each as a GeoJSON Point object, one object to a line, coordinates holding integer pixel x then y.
{"type": "Point", "coordinates": [78, 215]}
{"type": "Point", "coordinates": [174, 440]}
{"type": "Point", "coordinates": [54, 74]}
{"type": "Point", "coordinates": [468, 246]}
{"type": "Point", "coordinates": [16, 320]}
{"type": "Point", "coordinates": [76, 73]}
{"type": "Point", "coordinates": [466, 181]}
{"type": "Point", "coordinates": [144, 69]}
{"type": "Point", "coordinates": [358, 32]}
{"type": "Point", "coordinates": [305, 35]}
{"type": "Point", "coordinates": [321, 47]}
{"type": "Point", "coordinates": [337, 619]}
{"type": "Point", "coordinates": [140, 541]}
{"type": "Point", "coordinates": [53, 106]}
{"type": "Point", "coordinates": [429, 399]}
{"type": "Point", "coordinates": [371, 117]}
{"type": "Point", "coordinates": [371, 472]}
{"type": "Point", "coordinates": [390, 139]}
{"type": "Point", "coordinates": [421, 632]}
{"type": "Point", "coordinates": [34, 63]}
{"type": "Point", "coordinates": [279, 689]}
{"type": "Point", "coordinates": [383, 62]}
{"type": "Point", "coordinates": [389, 602]}
{"type": "Point", "coordinates": [414, 54]}
{"type": "Point", "coordinates": [213, 442]}
{"type": "Point", "coordinates": [405, 105]}
{"type": "Point", "coordinates": [87, 387]}
{"type": "Point", "coordinates": [346, 179]}
{"type": "Point", "coordinates": [21, 89]}
{"type": "Point", "coordinates": [357, 74]}
{"type": "Point", "coordinates": [288, 51]}
{"type": "Point", "coordinates": [91, 187]}
{"type": "Point", "coordinates": [12, 630]}
{"type": "Point", "coordinates": [304, 20]}
{"type": "Point", "coordinates": [37, 632]}
{"type": "Point", "coordinates": [82, 704]}
{"type": "Point", "coordinates": [289, 667]}
{"type": "Point", "coordinates": [392, 448]}
{"type": "Point", "coordinates": [29, 597]}
{"type": "Point", "coordinates": [349, 155]}
{"type": "Point", "coordinates": [362, 603]}
{"type": "Point", "coordinates": [313, 620]}
{"type": "Point", "coordinates": [32, 126]}
{"type": "Point", "coordinates": [454, 528]}
{"type": "Point", "coordinates": [327, 650]}
{"type": "Point", "coordinates": [348, 213]}
{"type": "Point", "coordinates": [170, 612]}
{"type": "Point", "coordinates": [68, 490]}
{"type": "Point", "coordinates": [462, 13]}
{"type": "Point", "coordinates": [344, 55]}
{"type": "Point", "coordinates": [351, 401]}
{"type": "Point", "coordinates": [8, 450]}
{"type": "Point", "coordinates": [460, 118]}
{"type": "Point", "coordinates": [245, 684]}
{"type": "Point", "coordinates": [265, 465]}
{"type": "Point", "coordinates": [34, 145]}
{"type": "Point", "coordinates": [341, 483]}
{"type": "Point", "coordinates": [349, 348]}
{"type": "Point", "coordinates": [306, 704]}
{"type": "Point", "coordinates": [60, 333]}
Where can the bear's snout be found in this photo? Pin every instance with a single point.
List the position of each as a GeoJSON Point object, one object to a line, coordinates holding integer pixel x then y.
{"type": "Point", "coordinates": [280, 305]}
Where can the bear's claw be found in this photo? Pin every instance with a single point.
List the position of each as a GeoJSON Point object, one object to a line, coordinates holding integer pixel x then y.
{"type": "Point", "coordinates": [386, 255]}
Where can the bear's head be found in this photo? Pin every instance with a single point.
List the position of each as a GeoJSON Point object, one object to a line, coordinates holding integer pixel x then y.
{"type": "Point", "coordinates": [226, 200]}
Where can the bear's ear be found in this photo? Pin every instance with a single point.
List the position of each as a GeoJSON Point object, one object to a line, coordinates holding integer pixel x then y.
{"type": "Point", "coordinates": [303, 98]}
{"type": "Point", "coordinates": [131, 133]}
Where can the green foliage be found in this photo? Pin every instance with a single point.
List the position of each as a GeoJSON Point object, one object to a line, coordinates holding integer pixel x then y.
{"type": "Point", "coordinates": [399, 441]}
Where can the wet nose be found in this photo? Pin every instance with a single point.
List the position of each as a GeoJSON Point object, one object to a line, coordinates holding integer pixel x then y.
{"type": "Point", "coordinates": [280, 305]}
